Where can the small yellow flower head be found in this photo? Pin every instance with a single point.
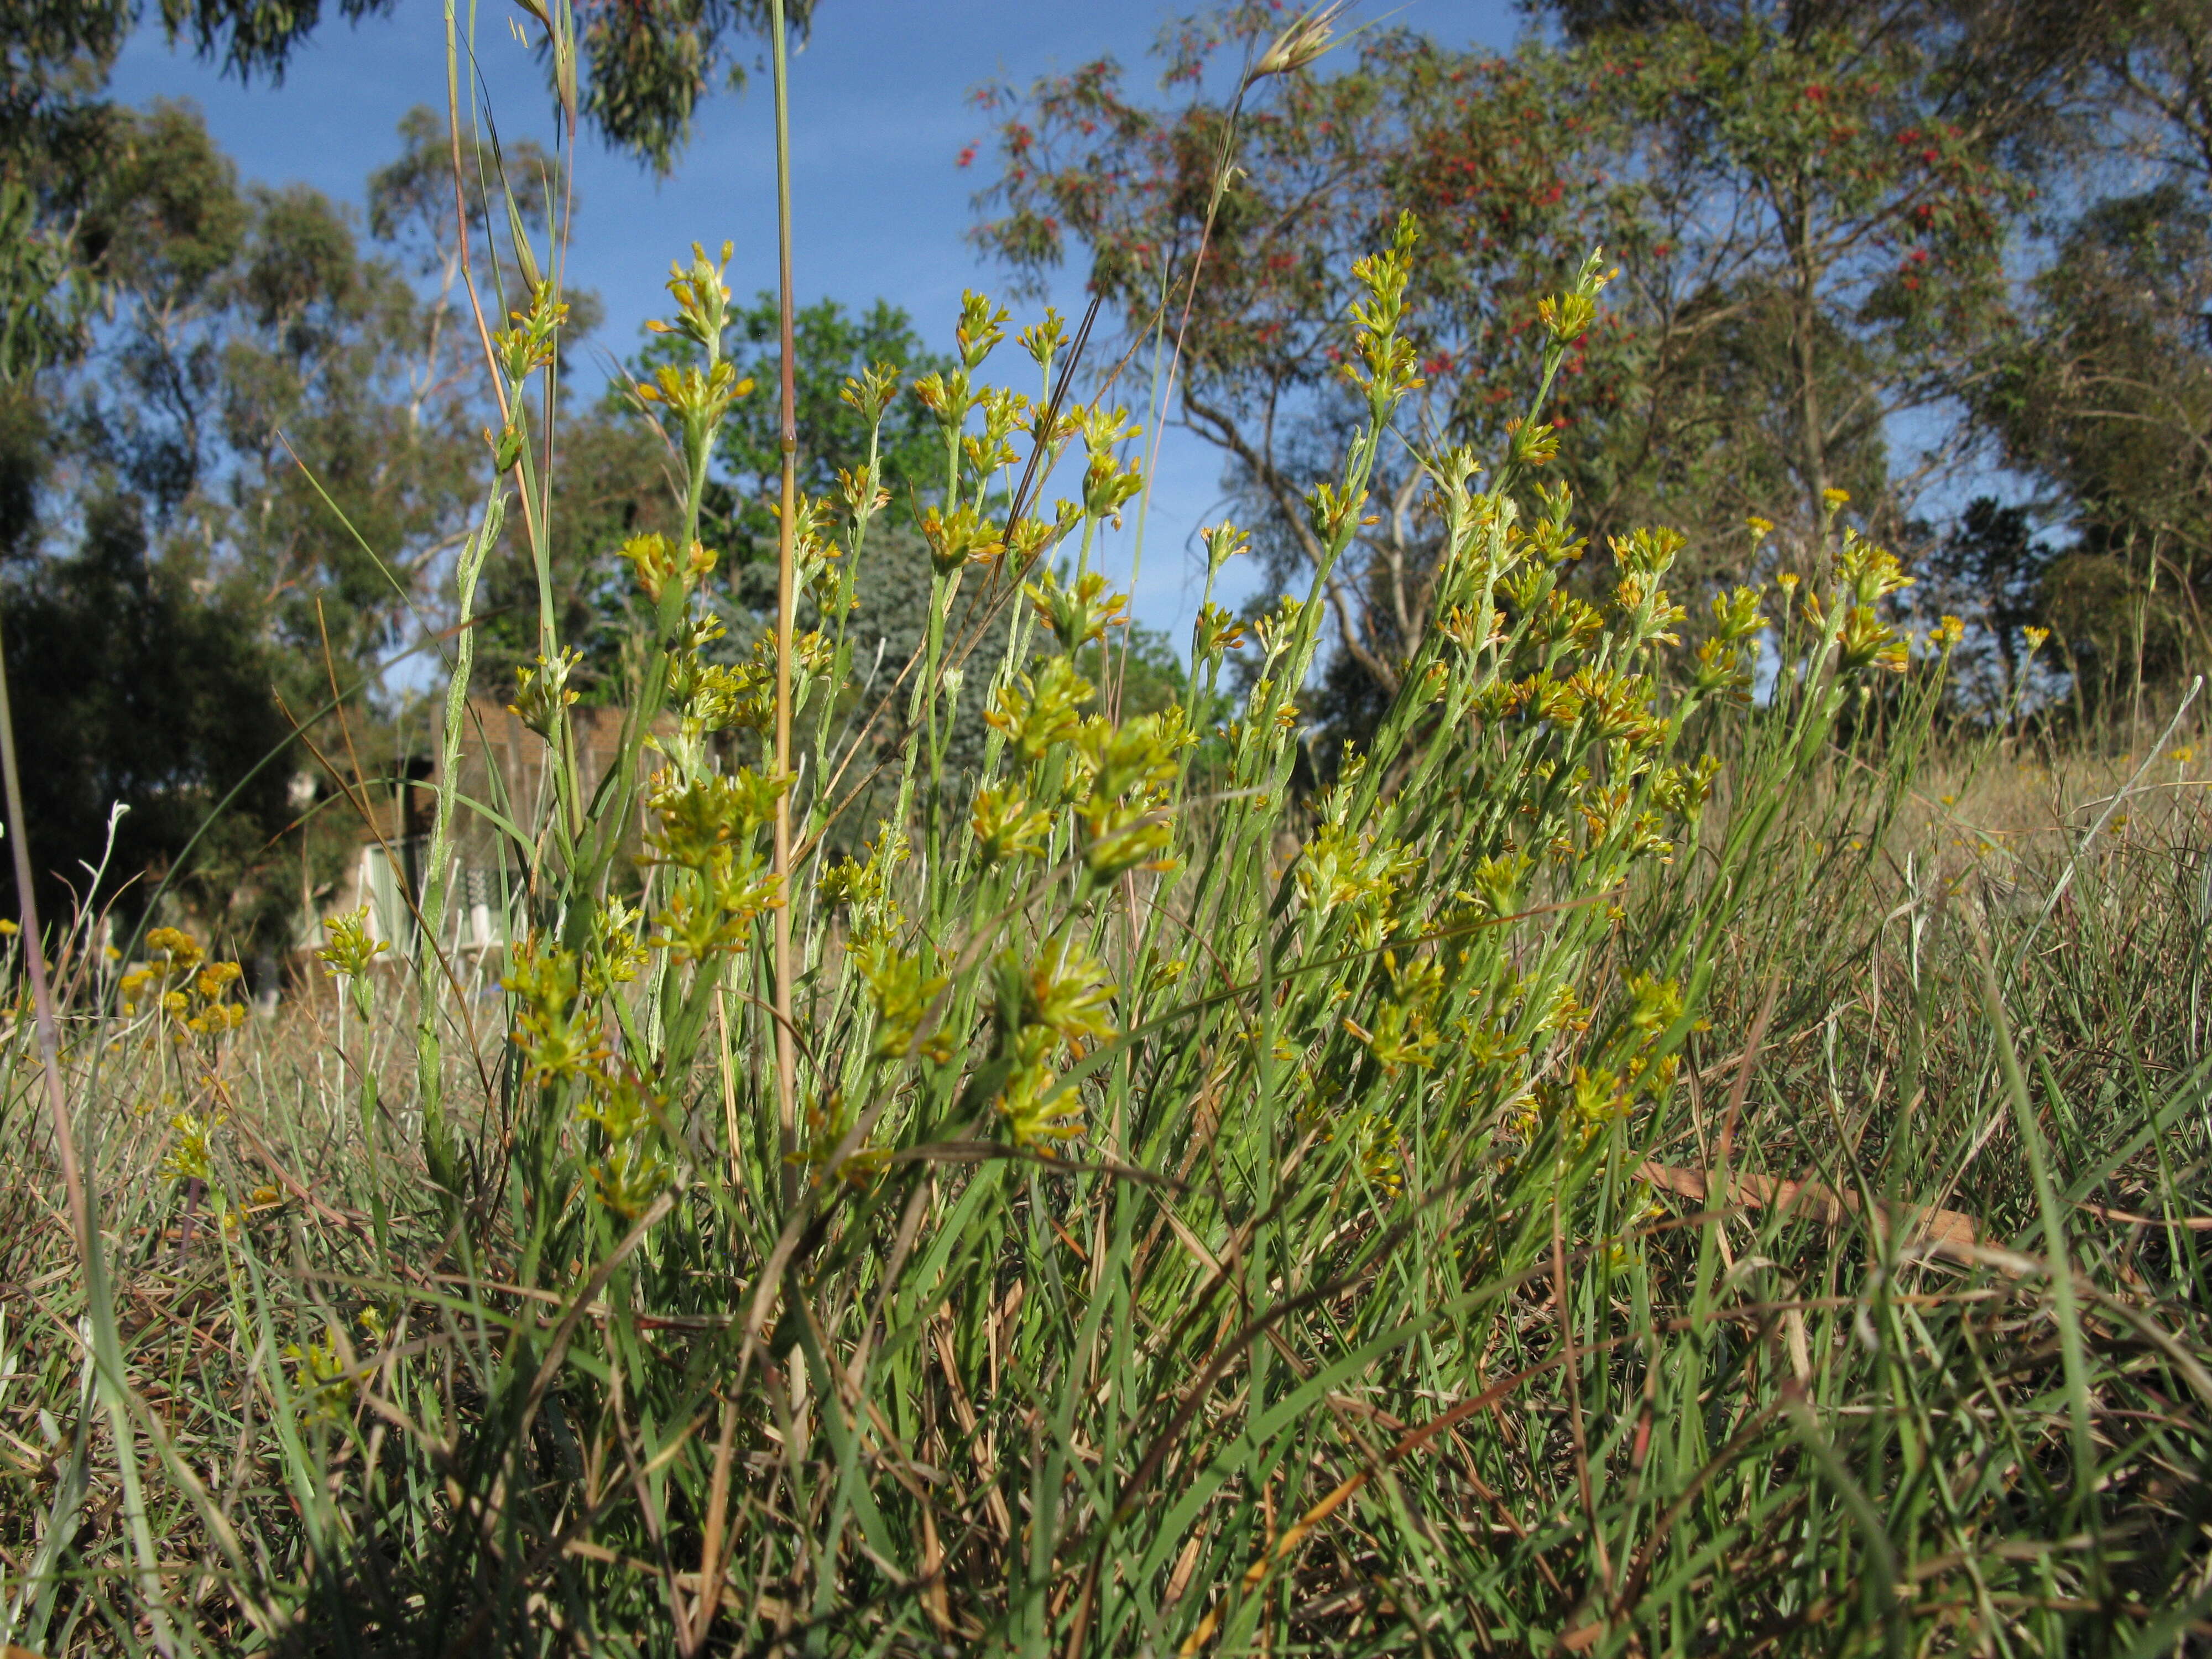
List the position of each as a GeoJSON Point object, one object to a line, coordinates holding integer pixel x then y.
{"type": "Point", "coordinates": [1566, 317]}
{"type": "Point", "coordinates": [542, 689]}
{"type": "Point", "coordinates": [1039, 712]}
{"type": "Point", "coordinates": [1035, 1112]}
{"type": "Point", "coordinates": [980, 327]}
{"type": "Point", "coordinates": [960, 537]}
{"type": "Point", "coordinates": [1871, 573]}
{"type": "Point", "coordinates": [1866, 641]}
{"type": "Point", "coordinates": [1224, 542]}
{"type": "Point", "coordinates": [529, 344]}
{"type": "Point", "coordinates": [856, 881]}
{"type": "Point", "coordinates": [1008, 826]}
{"type": "Point", "coordinates": [216, 1018]}
{"type": "Point", "coordinates": [350, 949]}
{"type": "Point", "coordinates": [617, 952]}
{"type": "Point", "coordinates": [1065, 990]}
{"type": "Point", "coordinates": [1760, 528]}
{"type": "Point", "coordinates": [1656, 1004]}
{"type": "Point", "coordinates": [697, 398]}
{"type": "Point", "coordinates": [323, 1380]}
{"type": "Point", "coordinates": [1043, 339]}
{"type": "Point", "coordinates": [1835, 500]}
{"type": "Point", "coordinates": [1787, 582]}
{"type": "Point", "coordinates": [1081, 612]}
{"type": "Point", "coordinates": [1216, 631]}
{"type": "Point", "coordinates": [902, 990]}
{"type": "Point", "coordinates": [655, 561]}
{"type": "Point", "coordinates": [1030, 537]}
{"type": "Point", "coordinates": [1736, 614]}
{"type": "Point", "coordinates": [1596, 1099]}
{"type": "Point", "coordinates": [182, 949]}
{"type": "Point", "coordinates": [870, 392]}
{"type": "Point", "coordinates": [2035, 637]}
{"type": "Point", "coordinates": [556, 1035]}
{"type": "Point", "coordinates": [628, 1109]}
{"type": "Point", "coordinates": [192, 995]}
{"type": "Point", "coordinates": [1947, 633]}
{"type": "Point", "coordinates": [701, 296]}
{"type": "Point", "coordinates": [1108, 486]}
{"type": "Point", "coordinates": [1276, 631]}
{"type": "Point", "coordinates": [192, 1158]}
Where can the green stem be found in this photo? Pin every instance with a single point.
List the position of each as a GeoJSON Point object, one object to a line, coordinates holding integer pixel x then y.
{"type": "Point", "coordinates": [786, 1054]}
{"type": "Point", "coordinates": [437, 1137]}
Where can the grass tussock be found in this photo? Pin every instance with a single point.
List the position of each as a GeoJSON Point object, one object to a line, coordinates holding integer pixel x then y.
{"type": "Point", "coordinates": [1628, 1169]}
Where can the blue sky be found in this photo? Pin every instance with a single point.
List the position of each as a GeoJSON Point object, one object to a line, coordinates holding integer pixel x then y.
{"type": "Point", "coordinates": [880, 111]}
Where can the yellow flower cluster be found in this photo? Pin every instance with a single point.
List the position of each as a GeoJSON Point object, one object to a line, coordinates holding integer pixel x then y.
{"type": "Point", "coordinates": [192, 1157]}
{"type": "Point", "coordinates": [1121, 778]}
{"type": "Point", "coordinates": [350, 949]}
{"type": "Point", "coordinates": [1055, 1004]}
{"type": "Point", "coordinates": [560, 1036]}
{"type": "Point", "coordinates": [710, 827]}
{"type": "Point", "coordinates": [901, 984]}
{"type": "Point", "coordinates": [1405, 1032]}
{"type": "Point", "coordinates": [542, 692]}
{"type": "Point", "coordinates": [323, 1377]}
{"type": "Point", "coordinates": [192, 993]}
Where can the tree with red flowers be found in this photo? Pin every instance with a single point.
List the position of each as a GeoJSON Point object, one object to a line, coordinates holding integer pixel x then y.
{"type": "Point", "coordinates": [1810, 206]}
{"type": "Point", "coordinates": [1323, 162]}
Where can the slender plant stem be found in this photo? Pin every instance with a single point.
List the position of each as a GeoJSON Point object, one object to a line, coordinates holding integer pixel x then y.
{"type": "Point", "coordinates": [100, 1307]}
{"type": "Point", "coordinates": [468, 273]}
{"type": "Point", "coordinates": [438, 878]}
{"type": "Point", "coordinates": [34, 963]}
{"type": "Point", "coordinates": [786, 390]}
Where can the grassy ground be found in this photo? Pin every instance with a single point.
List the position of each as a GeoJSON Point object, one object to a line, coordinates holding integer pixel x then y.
{"type": "Point", "coordinates": [1624, 1172]}
{"type": "Point", "coordinates": [1431, 1406]}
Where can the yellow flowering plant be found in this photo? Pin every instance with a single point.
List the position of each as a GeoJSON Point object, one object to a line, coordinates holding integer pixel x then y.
{"type": "Point", "coordinates": [195, 997]}
{"type": "Point", "coordinates": [1112, 1014]}
{"type": "Point", "coordinates": [1137, 1178]}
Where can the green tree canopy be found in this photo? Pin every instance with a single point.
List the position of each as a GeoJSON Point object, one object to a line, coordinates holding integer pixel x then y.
{"type": "Point", "coordinates": [832, 345]}
{"type": "Point", "coordinates": [141, 678]}
{"type": "Point", "coordinates": [1812, 209]}
{"type": "Point", "coordinates": [2109, 403]}
{"type": "Point", "coordinates": [262, 460]}
{"type": "Point", "coordinates": [645, 66]}
{"type": "Point", "coordinates": [2101, 396]}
